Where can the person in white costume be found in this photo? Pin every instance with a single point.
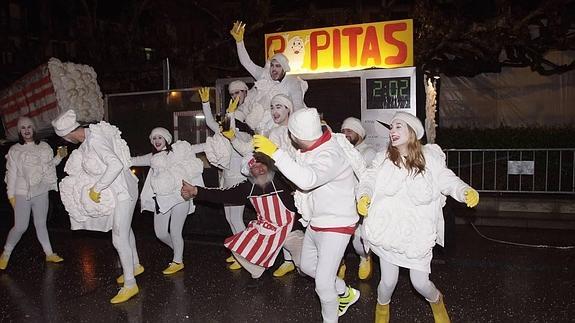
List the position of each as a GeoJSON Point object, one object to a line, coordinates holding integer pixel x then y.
{"type": "Point", "coordinates": [221, 154]}
{"type": "Point", "coordinates": [30, 175]}
{"type": "Point", "coordinates": [270, 80]}
{"type": "Point", "coordinates": [355, 134]}
{"type": "Point", "coordinates": [170, 164]}
{"type": "Point", "coordinates": [100, 191]}
{"type": "Point", "coordinates": [321, 170]}
{"type": "Point", "coordinates": [402, 197]}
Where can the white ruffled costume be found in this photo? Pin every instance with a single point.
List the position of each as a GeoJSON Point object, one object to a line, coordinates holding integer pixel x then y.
{"type": "Point", "coordinates": [86, 168]}
{"type": "Point", "coordinates": [167, 170]}
{"type": "Point", "coordinates": [405, 218]}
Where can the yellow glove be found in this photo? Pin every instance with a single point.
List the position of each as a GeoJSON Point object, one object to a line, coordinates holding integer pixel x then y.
{"type": "Point", "coordinates": [94, 196]}
{"type": "Point", "coordinates": [471, 197]}
{"type": "Point", "coordinates": [230, 134]}
{"type": "Point", "coordinates": [204, 93]}
{"type": "Point", "coordinates": [62, 152]}
{"type": "Point", "coordinates": [12, 200]}
{"type": "Point", "coordinates": [233, 105]}
{"type": "Point", "coordinates": [264, 145]}
{"type": "Point", "coordinates": [363, 205]}
{"type": "Point", "coordinates": [238, 31]}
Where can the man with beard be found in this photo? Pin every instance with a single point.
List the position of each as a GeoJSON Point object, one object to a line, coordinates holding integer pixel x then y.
{"type": "Point", "coordinates": [271, 197]}
{"type": "Point", "coordinates": [355, 134]}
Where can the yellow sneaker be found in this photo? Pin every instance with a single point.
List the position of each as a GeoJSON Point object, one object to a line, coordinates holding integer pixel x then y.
{"type": "Point", "coordinates": [173, 268]}
{"type": "Point", "coordinates": [54, 258]}
{"type": "Point", "coordinates": [4, 261]}
{"type": "Point", "coordinates": [285, 268]}
{"type": "Point", "coordinates": [125, 294]}
{"type": "Point", "coordinates": [341, 271]}
{"type": "Point", "coordinates": [230, 259]}
{"type": "Point", "coordinates": [235, 266]}
{"type": "Point", "coordinates": [365, 268]}
{"type": "Point", "coordinates": [137, 270]}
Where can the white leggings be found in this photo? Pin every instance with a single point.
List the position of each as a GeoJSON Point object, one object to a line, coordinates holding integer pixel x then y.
{"type": "Point", "coordinates": [320, 258]}
{"type": "Point", "coordinates": [124, 240]}
{"type": "Point", "coordinates": [169, 226]}
{"type": "Point", "coordinates": [39, 207]}
{"type": "Point", "coordinates": [235, 218]}
{"type": "Point", "coordinates": [357, 242]}
{"type": "Point", "coordinates": [419, 279]}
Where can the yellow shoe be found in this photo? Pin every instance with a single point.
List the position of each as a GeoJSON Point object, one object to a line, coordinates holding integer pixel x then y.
{"type": "Point", "coordinates": [285, 268]}
{"type": "Point", "coordinates": [54, 258]}
{"type": "Point", "coordinates": [4, 261]}
{"type": "Point", "coordinates": [173, 268]}
{"type": "Point", "coordinates": [365, 268]}
{"type": "Point", "coordinates": [235, 266]}
{"type": "Point", "coordinates": [137, 270]}
{"type": "Point", "coordinates": [125, 294]}
{"type": "Point", "coordinates": [230, 259]}
{"type": "Point", "coordinates": [341, 271]}
{"type": "Point", "coordinates": [439, 311]}
{"type": "Point", "coordinates": [381, 313]}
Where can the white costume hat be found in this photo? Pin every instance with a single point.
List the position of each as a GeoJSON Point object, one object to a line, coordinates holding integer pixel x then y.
{"type": "Point", "coordinates": [162, 132]}
{"type": "Point", "coordinates": [237, 85]}
{"type": "Point", "coordinates": [283, 60]}
{"type": "Point", "coordinates": [411, 121]}
{"type": "Point", "coordinates": [283, 100]}
{"type": "Point", "coordinates": [65, 123]}
{"type": "Point", "coordinates": [304, 124]}
{"type": "Point", "coordinates": [25, 121]}
{"type": "Point", "coordinates": [354, 124]}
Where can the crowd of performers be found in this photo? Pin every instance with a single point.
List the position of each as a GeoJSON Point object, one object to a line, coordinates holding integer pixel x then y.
{"type": "Point", "coordinates": [314, 190]}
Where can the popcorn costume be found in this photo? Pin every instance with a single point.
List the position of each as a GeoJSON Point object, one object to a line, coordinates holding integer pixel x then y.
{"type": "Point", "coordinates": [405, 218]}
{"type": "Point", "coordinates": [324, 173]}
{"type": "Point", "coordinates": [30, 175]}
{"type": "Point", "coordinates": [102, 162]}
{"type": "Point", "coordinates": [161, 191]}
{"type": "Point", "coordinates": [265, 88]}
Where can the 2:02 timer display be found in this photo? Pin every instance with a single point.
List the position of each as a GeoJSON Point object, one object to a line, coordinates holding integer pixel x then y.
{"type": "Point", "coordinates": [388, 93]}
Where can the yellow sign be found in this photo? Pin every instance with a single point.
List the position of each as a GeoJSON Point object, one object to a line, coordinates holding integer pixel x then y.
{"type": "Point", "coordinates": [386, 44]}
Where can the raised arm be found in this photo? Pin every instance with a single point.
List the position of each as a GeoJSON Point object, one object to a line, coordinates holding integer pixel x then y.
{"type": "Point", "coordinates": [237, 32]}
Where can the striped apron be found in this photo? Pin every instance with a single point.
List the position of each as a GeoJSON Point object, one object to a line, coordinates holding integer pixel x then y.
{"type": "Point", "coordinates": [263, 238]}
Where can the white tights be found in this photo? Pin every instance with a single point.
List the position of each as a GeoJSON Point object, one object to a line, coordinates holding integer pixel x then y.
{"type": "Point", "coordinates": [235, 218]}
{"type": "Point", "coordinates": [38, 205]}
{"type": "Point", "coordinates": [321, 254]}
{"type": "Point", "coordinates": [357, 242]}
{"type": "Point", "coordinates": [419, 279]}
{"type": "Point", "coordinates": [169, 226]}
{"type": "Point", "coordinates": [124, 240]}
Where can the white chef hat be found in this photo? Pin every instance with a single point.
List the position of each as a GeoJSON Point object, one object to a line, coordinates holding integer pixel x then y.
{"type": "Point", "coordinates": [65, 123]}
{"type": "Point", "coordinates": [283, 100]}
{"type": "Point", "coordinates": [354, 124]}
{"type": "Point", "coordinates": [283, 60]}
{"type": "Point", "coordinates": [237, 85]}
{"type": "Point", "coordinates": [162, 132]}
{"type": "Point", "coordinates": [411, 121]}
{"type": "Point", "coordinates": [304, 124]}
{"type": "Point", "coordinates": [25, 121]}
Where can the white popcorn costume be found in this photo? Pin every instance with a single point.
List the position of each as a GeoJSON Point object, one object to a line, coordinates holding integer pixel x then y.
{"type": "Point", "coordinates": [163, 185]}
{"type": "Point", "coordinates": [405, 218]}
{"type": "Point", "coordinates": [101, 162]}
{"type": "Point", "coordinates": [30, 175]}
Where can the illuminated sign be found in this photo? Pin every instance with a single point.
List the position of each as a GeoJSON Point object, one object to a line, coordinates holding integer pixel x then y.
{"type": "Point", "coordinates": [344, 48]}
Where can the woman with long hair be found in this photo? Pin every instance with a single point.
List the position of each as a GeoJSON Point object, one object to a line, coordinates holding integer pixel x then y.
{"type": "Point", "coordinates": [402, 196]}
{"type": "Point", "coordinates": [30, 175]}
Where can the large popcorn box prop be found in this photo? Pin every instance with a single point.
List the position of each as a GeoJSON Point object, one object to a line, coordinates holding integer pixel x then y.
{"type": "Point", "coordinates": [47, 91]}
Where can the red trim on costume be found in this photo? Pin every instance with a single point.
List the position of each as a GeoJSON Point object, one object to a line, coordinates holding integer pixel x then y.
{"type": "Point", "coordinates": [344, 230]}
{"type": "Point", "coordinates": [324, 138]}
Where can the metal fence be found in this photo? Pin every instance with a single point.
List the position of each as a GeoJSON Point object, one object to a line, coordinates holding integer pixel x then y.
{"type": "Point", "coordinates": [515, 170]}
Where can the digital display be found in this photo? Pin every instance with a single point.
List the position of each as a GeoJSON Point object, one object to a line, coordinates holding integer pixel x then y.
{"type": "Point", "coordinates": [388, 93]}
